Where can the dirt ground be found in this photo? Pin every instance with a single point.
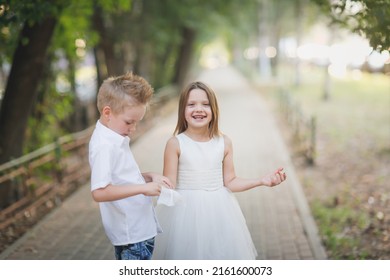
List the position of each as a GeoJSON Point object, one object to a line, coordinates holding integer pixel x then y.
{"type": "Point", "coordinates": [349, 195]}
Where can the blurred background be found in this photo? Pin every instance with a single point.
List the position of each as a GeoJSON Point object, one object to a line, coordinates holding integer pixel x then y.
{"type": "Point", "coordinates": [323, 66]}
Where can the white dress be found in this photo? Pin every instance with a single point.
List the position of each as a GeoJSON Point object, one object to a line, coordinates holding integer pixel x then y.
{"type": "Point", "coordinates": [209, 223]}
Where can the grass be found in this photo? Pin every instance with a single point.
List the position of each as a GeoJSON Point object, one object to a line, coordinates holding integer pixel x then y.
{"type": "Point", "coordinates": [356, 108]}
{"type": "Point", "coordinates": [348, 188]}
{"type": "Point", "coordinates": [335, 222]}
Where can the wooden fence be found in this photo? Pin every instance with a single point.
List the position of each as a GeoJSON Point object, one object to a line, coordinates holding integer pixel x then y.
{"type": "Point", "coordinates": [303, 127]}
{"type": "Point", "coordinates": [43, 178]}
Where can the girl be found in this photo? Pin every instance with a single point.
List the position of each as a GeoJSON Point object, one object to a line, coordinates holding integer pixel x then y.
{"type": "Point", "coordinates": [199, 162]}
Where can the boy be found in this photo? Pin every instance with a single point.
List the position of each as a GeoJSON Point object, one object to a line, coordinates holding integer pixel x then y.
{"type": "Point", "coordinates": [123, 192]}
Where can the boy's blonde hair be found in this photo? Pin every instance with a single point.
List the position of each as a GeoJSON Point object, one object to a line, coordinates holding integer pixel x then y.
{"type": "Point", "coordinates": [123, 91]}
{"type": "Point", "coordinates": [182, 125]}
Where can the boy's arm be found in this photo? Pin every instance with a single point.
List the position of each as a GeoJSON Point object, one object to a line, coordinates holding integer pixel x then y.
{"type": "Point", "coordinates": [112, 192]}
{"type": "Point", "coordinates": [103, 190]}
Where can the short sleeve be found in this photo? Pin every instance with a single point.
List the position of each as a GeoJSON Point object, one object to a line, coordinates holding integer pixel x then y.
{"type": "Point", "coordinates": [101, 161]}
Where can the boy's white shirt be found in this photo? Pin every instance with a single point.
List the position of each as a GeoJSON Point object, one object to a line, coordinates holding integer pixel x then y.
{"type": "Point", "coordinates": [129, 220]}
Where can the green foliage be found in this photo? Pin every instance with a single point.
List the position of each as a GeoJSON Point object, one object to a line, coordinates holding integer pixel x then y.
{"type": "Point", "coordinates": [370, 18]}
{"type": "Point", "coordinates": [143, 33]}
{"type": "Point", "coordinates": [111, 6]}
{"type": "Point", "coordinates": [15, 11]}
{"type": "Point", "coordinates": [74, 23]}
{"type": "Point", "coordinates": [45, 126]}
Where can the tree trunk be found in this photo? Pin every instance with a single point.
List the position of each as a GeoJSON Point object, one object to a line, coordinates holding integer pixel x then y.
{"type": "Point", "coordinates": [326, 92]}
{"type": "Point", "coordinates": [264, 61]}
{"type": "Point", "coordinates": [21, 90]}
{"type": "Point", "coordinates": [77, 120]}
{"type": "Point", "coordinates": [162, 72]}
{"type": "Point", "coordinates": [299, 32]}
{"type": "Point", "coordinates": [326, 88]}
{"type": "Point", "coordinates": [106, 45]}
{"type": "Point", "coordinates": [184, 58]}
{"type": "Point", "coordinates": [99, 80]}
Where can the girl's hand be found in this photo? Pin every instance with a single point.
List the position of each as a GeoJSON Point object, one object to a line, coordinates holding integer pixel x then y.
{"type": "Point", "coordinates": [275, 178]}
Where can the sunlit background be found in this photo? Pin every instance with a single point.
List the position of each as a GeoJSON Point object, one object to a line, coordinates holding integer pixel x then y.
{"type": "Point", "coordinates": [324, 72]}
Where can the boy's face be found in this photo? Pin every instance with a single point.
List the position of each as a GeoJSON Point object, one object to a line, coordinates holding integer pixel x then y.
{"type": "Point", "coordinates": [124, 123]}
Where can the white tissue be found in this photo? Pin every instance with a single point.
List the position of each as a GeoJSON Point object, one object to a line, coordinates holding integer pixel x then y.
{"type": "Point", "coordinates": [169, 197]}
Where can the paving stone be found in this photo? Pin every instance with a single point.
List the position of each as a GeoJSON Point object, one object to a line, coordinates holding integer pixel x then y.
{"type": "Point", "coordinates": [279, 220]}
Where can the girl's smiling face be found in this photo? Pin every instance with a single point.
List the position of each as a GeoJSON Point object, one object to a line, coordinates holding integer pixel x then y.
{"type": "Point", "coordinates": [198, 112]}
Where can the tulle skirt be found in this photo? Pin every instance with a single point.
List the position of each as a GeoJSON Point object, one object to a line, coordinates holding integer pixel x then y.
{"type": "Point", "coordinates": [207, 225]}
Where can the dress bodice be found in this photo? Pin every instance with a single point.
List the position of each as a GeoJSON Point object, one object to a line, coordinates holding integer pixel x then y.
{"type": "Point", "coordinates": [200, 163]}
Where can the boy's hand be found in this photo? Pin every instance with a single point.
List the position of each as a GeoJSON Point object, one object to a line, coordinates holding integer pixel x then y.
{"type": "Point", "coordinates": [152, 189]}
{"type": "Point", "coordinates": [275, 178]}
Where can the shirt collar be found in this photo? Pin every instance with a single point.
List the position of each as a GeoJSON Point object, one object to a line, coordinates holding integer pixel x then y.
{"type": "Point", "coordinates": [111, 135]}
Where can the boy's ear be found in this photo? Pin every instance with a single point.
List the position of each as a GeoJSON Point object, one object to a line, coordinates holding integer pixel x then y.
{"type": "Point", "coordinates": [106, 112]}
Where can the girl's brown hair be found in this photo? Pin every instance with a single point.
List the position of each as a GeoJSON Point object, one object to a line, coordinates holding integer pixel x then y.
{"type": "Point", "coordinates": [181, 121]}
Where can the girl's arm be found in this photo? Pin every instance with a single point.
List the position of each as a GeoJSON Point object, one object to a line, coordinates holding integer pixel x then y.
{"type": "Point", "coordinates": [171, 160]}
{"type": "Point", "coordinates": [236, 184]}
{"type": "Point", "coordinates": [155, 177]}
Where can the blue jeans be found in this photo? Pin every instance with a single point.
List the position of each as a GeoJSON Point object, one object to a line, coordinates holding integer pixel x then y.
{"type": "Point", "coordinates": [138, 251]}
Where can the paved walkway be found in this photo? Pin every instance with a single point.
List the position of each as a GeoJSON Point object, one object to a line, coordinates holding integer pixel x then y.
{"type": "Point", "coordinates": [279, 218]}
